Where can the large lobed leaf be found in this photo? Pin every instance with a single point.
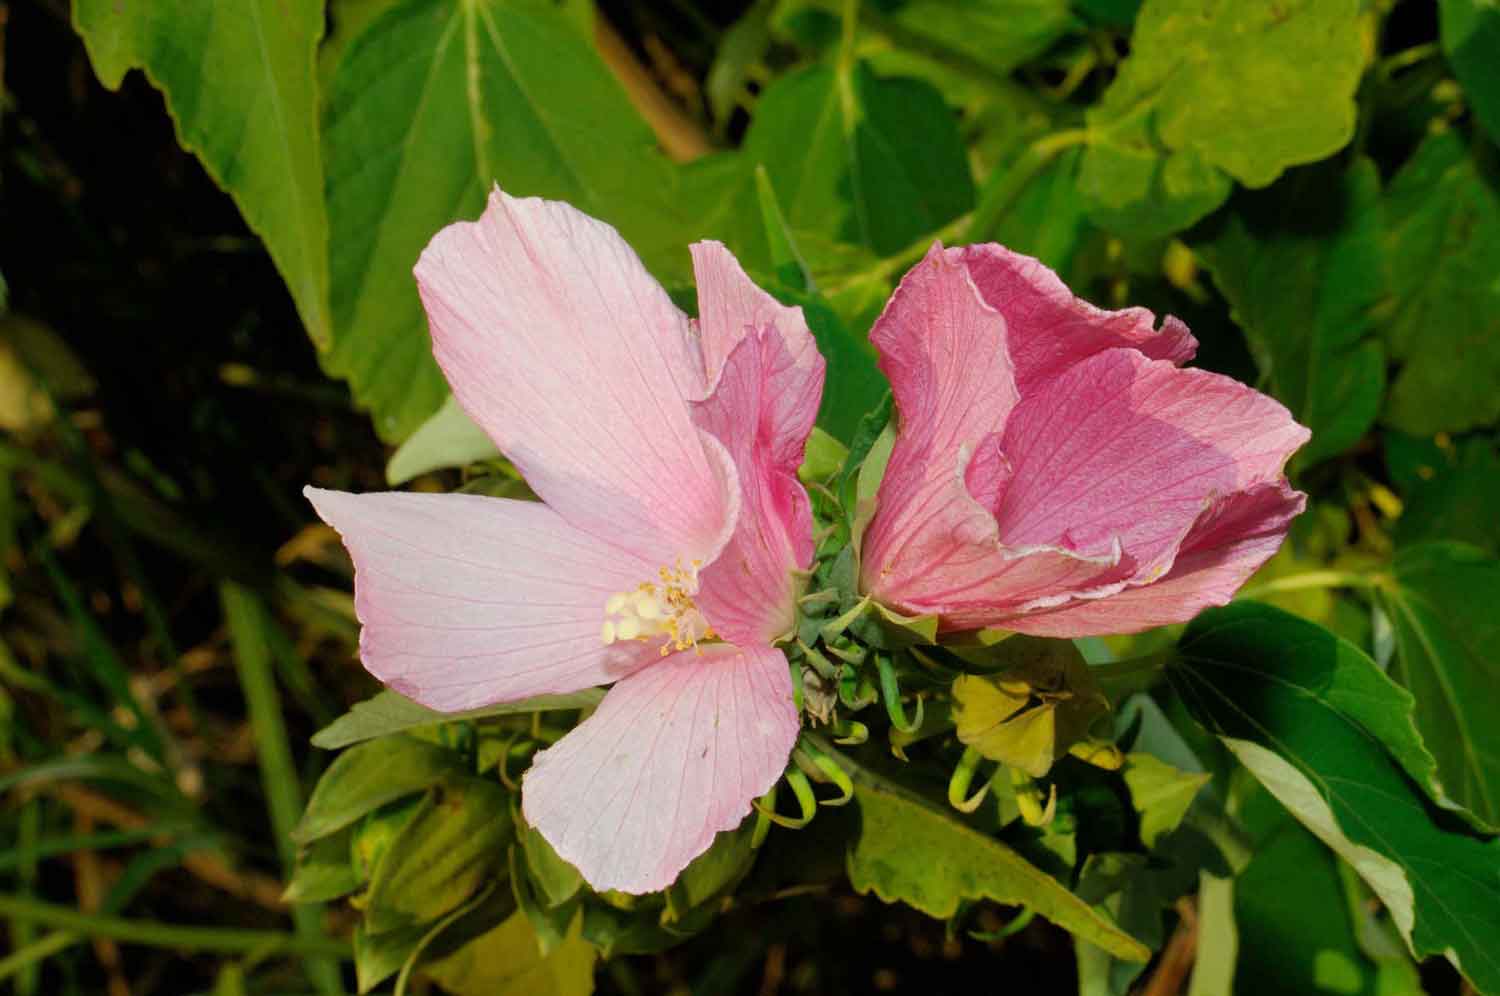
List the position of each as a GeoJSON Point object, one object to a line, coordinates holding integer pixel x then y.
{"type": "Point", "coordinates": [913, 851]}
{"type": "Point", "coordinates": [239, 81]}
{"type": "Point", "coordinates": [876, 162]}
{"type": "Point", "coordinates": [1332, 738]}
{"type": "Point", "coordinates": [1471, 41]}
{"type": "Point", "coordinates": [1301, 266]}
{"type": "Point", "coordinates": [1300, 930]}
{"type": "Point", "coordinates": [1441, 599]}
{"type": "Point", "coordinates": [1443, 251]}
{"type": "Point", "coordinates": [508, 961]}
{"type": "Point", "coordinates": [1215, 89]}
{"type": "Point", "coordinates": [436, 101]}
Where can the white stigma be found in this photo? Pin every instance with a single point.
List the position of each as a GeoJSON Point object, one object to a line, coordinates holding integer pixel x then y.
{"type": "Point", "coordinates": [663, 607]}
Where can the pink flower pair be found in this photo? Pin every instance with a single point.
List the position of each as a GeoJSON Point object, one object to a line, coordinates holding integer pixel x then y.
{"type": "Point", "coordinates": [1055, 472]}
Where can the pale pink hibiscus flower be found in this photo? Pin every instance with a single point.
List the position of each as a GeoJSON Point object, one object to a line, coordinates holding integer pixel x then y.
{"type": "Point", "coordinates": [1055, 472]}
{"type": "Point", "coordinates": [663, 559]}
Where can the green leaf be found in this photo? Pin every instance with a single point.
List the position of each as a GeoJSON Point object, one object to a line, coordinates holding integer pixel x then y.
{"type": "Point", "coordinates": [1048, 219]}
{"type": "Point", "coordinates": [1297, 931]}
{"type": "Point", "coordinates": [791, 270]}
{"type": "Point", "coordinates": [875, 162]}
{"type": "Point", "coordinates": [1443, 249]}
{"type": "Point", "coordinates": [1177, 118]}
{"type": "Point", "coordinates": [389, 712]}
{"type": "Point", "coordinates": [1470, 32]}
{"type": "Point", "coordinates": [433, 103]}
{"type": "Point", "coordinates": [1115, 13]}
{"type": "Point", "coordinates": [449, 438]}
{"type": "Point", "coordinates": [379, 956]}
{"type": "Point", "coordinates": [1441, 600]}
{"type": "Point", "coordinates": [557, 880]}
{"type": "Point", "coordinates": [1301, 266]}
{"type": "Point", "coordinates": [1456, 503]}
{"type": "Point", "coordinates": [239, 82]}
{"type": "Point", "coordinates": [856, 383]}
{"type": "Point", "coordinates": [1330, 736]}
{"type": "Point", "coordinates": [324, 871]}
{"type": "Point", "coordinates": [824, 458]}
{"type": "Point", "coordinates": [998, 35]}
{"type": "Point", "coordinates": [1160, 793]}
{"type": "Point", "coordinates": [507, 961]}
{"type": "Point", "coordinates": [366, 777]}
{"type": "Point", "coordinates": [451, 845]}
{"type": "Point", "coordinates": [715, 872]}
{"type": "Point", "coordinates": [914, 851]}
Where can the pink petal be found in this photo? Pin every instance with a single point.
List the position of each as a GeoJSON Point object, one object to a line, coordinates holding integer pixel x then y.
{"type": "Point", "coordinates": [675, 754]}
{"type": "Point", "coordinates": [762, 396]}
{"type": "Point", "coordinates": [955, 565]}
{"type": "Point", "coordinates": [1050, 329]}
{"type": "Point", "coordinates": [1228, 543]}
{"type": "Point", "coordinates": [1121, 449]}
{"type": "Point", "coordinates": [559, 344]}
{"type": "Point", "coordinates": [943, 350]}
{"type": "Point", "coordinates": [730, 305]}
{"type": "Point", "coordinates": [467, 600]}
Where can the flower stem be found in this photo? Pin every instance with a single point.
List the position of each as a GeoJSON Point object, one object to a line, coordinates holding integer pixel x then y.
{"type": "Point", "coordinates": [1312, 579]}
{"type": "Point", "coordinates": [1001, 190]}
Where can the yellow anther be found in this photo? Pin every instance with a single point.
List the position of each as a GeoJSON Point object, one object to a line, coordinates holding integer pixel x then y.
{"type": "Point", "coordinates": [666, 609]}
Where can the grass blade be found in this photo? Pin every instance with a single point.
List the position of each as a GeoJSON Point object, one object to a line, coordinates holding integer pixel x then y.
{"type": "Point", "coordinates": [250, 627]}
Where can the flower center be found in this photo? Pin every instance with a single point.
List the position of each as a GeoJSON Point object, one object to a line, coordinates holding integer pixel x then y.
{"type": "Point", "coordinates": [663, 607]}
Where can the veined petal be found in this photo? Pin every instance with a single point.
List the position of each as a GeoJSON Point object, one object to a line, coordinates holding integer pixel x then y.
{"type": "Point", "coordinates": [961, 571]}
{"type": "Point", "coordinates": [1121, 449]}
{"type": "Point", "coordinates": [1049, 329]}
{"type": "Point", "coordinates": [467, 600]}
{"type": "Point", "coordinates": [764, 394]}
{"type": "Point", "coordinates": [1228, 543]}
{"type": "Point", "coordinates": [944, 350]}
{"type": "Point", "coordinates": [674, 754]}
{"type": "Point", "coordinates": [559, 344]}
{"type": "Point", "coordinates": [730, 306]}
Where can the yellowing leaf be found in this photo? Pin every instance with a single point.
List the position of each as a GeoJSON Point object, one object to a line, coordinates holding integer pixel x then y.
{"type": "Point", "coordinates": [1030, 713]}
{"type": "Point", "coordinates": [910, 851]}
{"type": "Point", "coordinates": [507, 961]}
{"type": "Point", "coordinates": [1215, 89]}
{"type": "Point", "coordinates": [1160, 793]}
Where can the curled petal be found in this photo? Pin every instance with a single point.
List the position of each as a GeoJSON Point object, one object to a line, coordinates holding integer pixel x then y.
{"type": "Point", "coordinates": [1121, 449]}
{"type": "Point", "coordinates": [559, 344]}
{"type": "Point", "coordinates": [748, 593]}
{"type": "Point", "coordinates": [1050, 329]}
{"type": "Point", "coordinates": [674, 754]}
{"type": "Point", "coordinates": [467, 600]}
{"type": "Point", "coordinates": [730, 306]}
{"type": "Point", "coordinates": [1233, 537]}
{"type": "Point", "coordinates": [944, 350]}
{"type": "Point", "coordinates": [1043, 455]}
